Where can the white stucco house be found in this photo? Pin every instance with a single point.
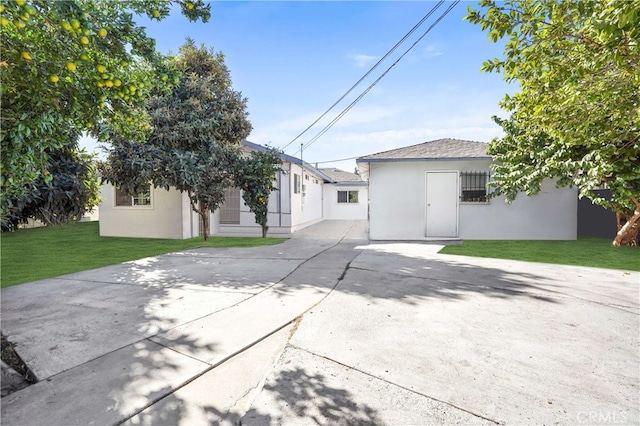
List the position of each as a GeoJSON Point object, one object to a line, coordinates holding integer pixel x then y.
{"type": "Point", "coordinates": [438, 190]}
{"type": "Point", "coordinates": [346, 196]}
{"type": "Point", "coordinates": [305, 195]}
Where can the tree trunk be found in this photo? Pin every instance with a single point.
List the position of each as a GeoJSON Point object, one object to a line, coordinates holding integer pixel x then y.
{"type": "Point", "coordinates": [265, 228]}
{"type": "Point", "coordinates": [628, 232]}
{"type": "Point", "coordinates": [204, 214]}
{"type": "Point", "coordinates": [203, 211]}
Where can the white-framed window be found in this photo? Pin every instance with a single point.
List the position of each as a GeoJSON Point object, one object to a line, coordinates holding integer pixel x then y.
{"type": "Point", "coordinates": [297, 183]}
{"type": "Point", "coordinates": [142, 198]}
{"type": "Point", "coordinates": [348, 197]}
{"type": "Point", "coordinates": [473, 187]}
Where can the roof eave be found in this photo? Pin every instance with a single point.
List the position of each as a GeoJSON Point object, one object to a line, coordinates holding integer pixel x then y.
{"type": "Point", "coordinates": [351, 183]}
{"type": "Point", "coordinates": [388, 160]}
{"type": "Point", "coordinates": [290, 159]}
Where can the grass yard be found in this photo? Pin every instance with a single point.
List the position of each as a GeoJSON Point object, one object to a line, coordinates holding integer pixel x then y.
{"type": "Point", "coordinates": [37, 253]}
{"type": "Point", "coordinates": [585, 251]}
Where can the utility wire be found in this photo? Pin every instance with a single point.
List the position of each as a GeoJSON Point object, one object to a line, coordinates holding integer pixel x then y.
{"type": "Point", "coordinates": [368, 72]}
{"type": "Point", "coordinates": [337, 161]}
{"type": "Point", "coordinates": [335, 120]}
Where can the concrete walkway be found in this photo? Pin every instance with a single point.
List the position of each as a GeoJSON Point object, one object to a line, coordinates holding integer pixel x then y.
{"type": "Point", "coordinates": [327, 329]}
{"type": "Point", "coordinates": [109, 342]}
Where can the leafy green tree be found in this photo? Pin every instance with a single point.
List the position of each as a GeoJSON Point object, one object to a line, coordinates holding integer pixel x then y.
{"type": "Point", "coordinates": [255, 177]}
{"type": "Point", "coordinates": [67, 189]}
{"type": "Point", "coordinates": [196, 139]}
{"type": "Point", "coordinates": [576, 116]}
{"type": "Point", "coordinates": [74, 66]}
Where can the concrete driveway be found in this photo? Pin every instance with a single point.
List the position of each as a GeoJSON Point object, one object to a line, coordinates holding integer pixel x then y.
{"type": "Point", "coordinates": [327, 329]}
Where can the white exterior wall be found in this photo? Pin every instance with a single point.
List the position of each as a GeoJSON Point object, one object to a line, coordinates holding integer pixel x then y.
{"type": "Point", "coordinates": [278, 217]}
{"type": "Point", "coordinates": [287, 213]}
{"type": "Point", "coordinates": [306, 207]}
{"type": "Point", "coordinates": [397, 197]}
{"type": "Point", "coordinates": [345, 211]}
{"type": "Point", "coordinates": [162, 219]}
{"type": "Point", "coordinates": [552, 214]}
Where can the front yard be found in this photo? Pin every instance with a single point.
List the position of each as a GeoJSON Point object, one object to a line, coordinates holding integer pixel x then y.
{"type": "Point", "coordinates": [585, 251]}
{"type": "Point", "coordinates": [38, 253]}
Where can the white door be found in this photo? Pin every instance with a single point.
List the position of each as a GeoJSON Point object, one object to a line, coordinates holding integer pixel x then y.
{"type": "Point", "coordinates": [442, 204]}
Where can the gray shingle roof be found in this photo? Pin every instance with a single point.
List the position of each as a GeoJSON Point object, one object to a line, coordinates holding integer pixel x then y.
{"type": "Point", "coordinates": [441, 149]}
{"type": "Point", "coordinates": [338, 175]}
{"type": "Point", "coordinates": [289, 158]}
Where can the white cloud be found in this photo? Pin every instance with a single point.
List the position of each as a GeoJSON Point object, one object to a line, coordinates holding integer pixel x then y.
{"type": "Point", "coordinates": [390, 139]}
{"type": "Point", "coordinates": [433, 50]}
{"type": "Point", "coordinates": [363, 60]}
{"type": "Point", "coordinates": [280, 132]}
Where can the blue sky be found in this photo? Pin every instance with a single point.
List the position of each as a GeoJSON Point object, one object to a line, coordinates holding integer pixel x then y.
{"type": "Point", "coordinates": [292, 60]}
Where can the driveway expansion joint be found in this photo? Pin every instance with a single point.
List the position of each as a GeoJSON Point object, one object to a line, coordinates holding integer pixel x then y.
{"type": "Point", "coordinates": [480, 416]}
{"type": "Point", "coordinates": [210, 367]}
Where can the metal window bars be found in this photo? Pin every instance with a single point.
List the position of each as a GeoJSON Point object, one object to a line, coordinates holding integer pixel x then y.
{"type": "Point", "coordinates": [473, 186]}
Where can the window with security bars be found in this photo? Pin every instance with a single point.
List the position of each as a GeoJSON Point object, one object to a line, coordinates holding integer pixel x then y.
{"type": "Point", "coordinates": [142, 198]}
{"type": "Point", "coordinates": [474, 187]}
{"type": "Point", "coordinates": [350, 197]}
{"type": "Point", "coordinates": [296, 183]}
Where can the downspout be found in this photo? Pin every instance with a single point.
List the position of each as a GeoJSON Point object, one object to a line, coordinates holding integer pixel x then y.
{"type": "Point", "coordinates": [369, 200]}
{"type": "Point", "coordinates": [321, 198]}
{"type": "Point", "coordinates": [301, 179]}
{"type": "Point", "coordinates": [280, 199]}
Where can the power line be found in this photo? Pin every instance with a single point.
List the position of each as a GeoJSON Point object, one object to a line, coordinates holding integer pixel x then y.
{"type": "Point", "coordinates": [338, 160]}
{"type": "Point", "coordinates": [368, 72]}
{"type": "Point", "coordinates": [352, 104]}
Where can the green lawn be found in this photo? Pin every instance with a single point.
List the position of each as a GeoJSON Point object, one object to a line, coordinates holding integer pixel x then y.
{"type": "Point", "coordinates": [37, 253]}
{"type": "Point", "coordinates": [585, 251]}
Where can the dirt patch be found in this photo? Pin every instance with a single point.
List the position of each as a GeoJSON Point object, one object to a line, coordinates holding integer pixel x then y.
{"type": "Point", "coordinates": [16, 374]}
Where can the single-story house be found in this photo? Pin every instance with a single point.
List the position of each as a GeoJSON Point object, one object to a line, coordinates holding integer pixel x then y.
{"type": "Point", "coordinates": [438, 190]}
{"type": "Point", "coordinates": [301, 199]}
{"type": "Point", "coordinates": [346, 196]}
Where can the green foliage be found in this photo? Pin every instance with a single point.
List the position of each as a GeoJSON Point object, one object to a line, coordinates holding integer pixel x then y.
{"type": "Point", "coordinates": [75, 65]}
{"type": "Point", "coordinates": [255, 177]}
{"type": "Point", "coordinates": [576, 116]}
{"type": "Point", "coordinates": [68, 188]}
{"type": "Point", "coordinates": [35, 254]}
{"type": "Point", "coordinates": [197, 133]}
